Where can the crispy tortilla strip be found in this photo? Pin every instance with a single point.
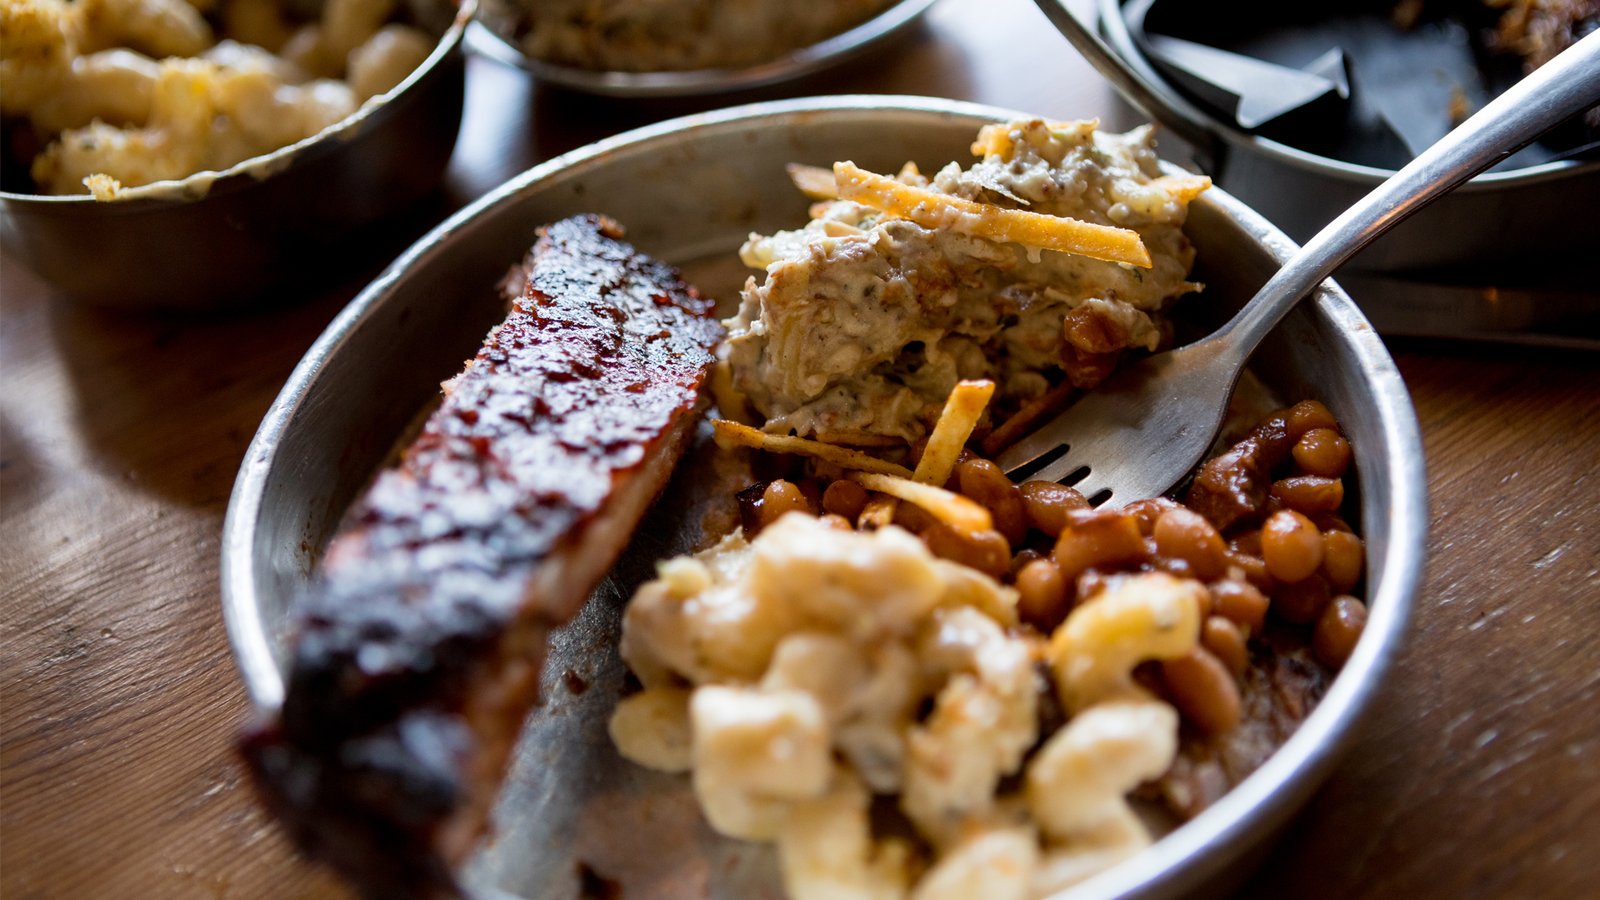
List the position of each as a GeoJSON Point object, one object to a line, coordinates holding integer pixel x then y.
{"type": "Point", "coordinates": [952, 509]}
{"type": "Point", "coordinates": [1183, 188]}
{"type": "Point", "coordinates": [878, 513]}
{"type": "Point", "coordinates": [931, 209]}
{"type": "Point", "coordinates": [815, 182]}
{"type": "Point", "coordinates": [962, 410]}
{"type": "Point", "coordinates": [732, 434]}
{"type": "Point", "coordinates": [730, 402]}
{"type": "Point", "coordinates": [1027, 418]}
{"type": "Point", "coordinates": [858, 439]}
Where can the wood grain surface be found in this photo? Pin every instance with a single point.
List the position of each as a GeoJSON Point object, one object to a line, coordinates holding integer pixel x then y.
{"type": "Point", "coordinates": [120, 436]}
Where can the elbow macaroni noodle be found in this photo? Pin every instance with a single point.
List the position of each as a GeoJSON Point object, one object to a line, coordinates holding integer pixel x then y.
{"type": "Point", "coordinates": [786, 672]}
{"type": "Point", "coordinates": [137, 91]}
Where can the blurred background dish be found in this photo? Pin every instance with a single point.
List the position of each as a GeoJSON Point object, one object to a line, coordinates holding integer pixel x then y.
{"type": "Point", "coordinates": [176, 218]}
{"type": "Point", "coordinates": [687, 47]}
{"type": "Point", "coordinates": [1472, 265]}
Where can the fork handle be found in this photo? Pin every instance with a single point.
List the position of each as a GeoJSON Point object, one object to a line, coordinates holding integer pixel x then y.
{"type": "Point", "coordinates": [1559, 89]}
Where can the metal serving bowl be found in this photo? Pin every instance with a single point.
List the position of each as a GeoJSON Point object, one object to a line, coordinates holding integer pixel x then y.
{"type": "Point", "coordinates": [221, 239]}
{"type": "Point", "coordinates": [1519, 225]}
{"type": "Point", "coordinates": [690, 191]}
{"type": "Point", "coordinates": [490, 39]}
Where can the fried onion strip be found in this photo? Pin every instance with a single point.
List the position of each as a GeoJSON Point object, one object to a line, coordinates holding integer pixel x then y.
{"type": "Point", "coordinates": [954, 510]}
{"type": "Point", "coordinates": [1027, 418]}
{"type": "Point", "coordinates": [931, 209]}
{"type": "Point", "coordinates": [962, 410]}
{"type": "Point", "coordinates": [736, 435]}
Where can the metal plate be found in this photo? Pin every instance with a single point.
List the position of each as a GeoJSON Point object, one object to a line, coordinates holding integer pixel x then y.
{"type": "Point", "coordinates": [489, 41]}
{"type": "Point", "coordinates": [690, 191]}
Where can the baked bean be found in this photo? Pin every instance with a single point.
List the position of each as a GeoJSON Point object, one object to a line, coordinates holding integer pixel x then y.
{"type": "Point", "coordinates": [1302, 602]}
{"type": "Point", "coordinates": [1041, 595]}
{"type": "Point", "coordinates": [1307, 415]}
{"type": "Point", "coordinates": [1273, 505]}
{"type": "Point", "coordinates": [1248, 543]}
{"type": "Point", "coordinates": [845, 498]}
{"type": "Point", "coordinates": [1172, 565]}
{"type": "Point", "coordinates": [1225, 641]}
{"type": "Point", "coordinates": [836, 522]}
{"type": "Point", "coordinates": [811, 489]}
{"type": "Point", "coordinates": [953, 483]}
{"type": "Point", "coordinates": [1322, 451]}
{"type": "Point", "coordinates": [986, 551]}
{"type": "Point", "coordinates": [1240, 602]}
{"type": "Point", "coordinates": [1309, 493]}
{"type": "Point", "coordinates": [1230, 487]}
{"type": "Point", "coordinates": [986, 483]}
{"type": "Point", "coordinates": [1252, 569]}
{"type": "Point", "coordinates": [1085, 370]}
{"type": "Point", "coordinates": [1022, 558]}
{"type": "Point", "coordinates": [1202, 689]}
{"type": "Point", "coordinates": [1338, 630]}
{"type": "Point", "coordinates": [1343, 556]}
{"type": "Point", "coordinates": [781, 497]}
{"type": "Point", "coordinates": [1146, 512]}
{"type": "Point", "coordinates": [918, 447]}
{"type": "Point", "coordinates": [1186, 535]}
{"type": "Point", "coordinates": [1331, 522]}
{"type": "Point", "coordinates": [1046, 504]}
{"type": "Point", "coordinates": [1090, 584]}
{"type": "Point", "coordinates": [1291, 546]}
{"type": "Point", "coordinates": [1273, 440]}
{"type": "Point", "coordinates": [913, 518]}
{"type": "Point", "coordinates": [1095, 538]}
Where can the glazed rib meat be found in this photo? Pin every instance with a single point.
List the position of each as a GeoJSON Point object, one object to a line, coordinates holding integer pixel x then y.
{"type": "Point", "coordinates": [420, 639]}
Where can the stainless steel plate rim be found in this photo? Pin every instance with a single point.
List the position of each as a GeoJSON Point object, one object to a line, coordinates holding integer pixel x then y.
{"type": "Point", "coordinates": [1193, 852]}
{"type": "Point", "coordinates": [857, 39]}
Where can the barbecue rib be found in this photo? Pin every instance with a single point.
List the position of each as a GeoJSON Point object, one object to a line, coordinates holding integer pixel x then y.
{"type": "Point", "coordinates": [420, 640]}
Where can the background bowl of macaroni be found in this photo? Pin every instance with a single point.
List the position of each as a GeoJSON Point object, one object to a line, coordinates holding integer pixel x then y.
{"type": "Point", "coordinates": [148, 164]}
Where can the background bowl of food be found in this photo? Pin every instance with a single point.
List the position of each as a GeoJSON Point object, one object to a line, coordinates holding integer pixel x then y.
{"type": "Point", "coordinates": [692, 192]}
{"type": "Point", "coordinates": [161, 156]}
{"type": "Point", "coordinates": [684, 47]}
{"type": "Point", "coordinates": [1301, 111]}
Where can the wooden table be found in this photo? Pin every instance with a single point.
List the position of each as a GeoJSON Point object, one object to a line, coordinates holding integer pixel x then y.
{"type": "Point", "coordinates": [121, 435]}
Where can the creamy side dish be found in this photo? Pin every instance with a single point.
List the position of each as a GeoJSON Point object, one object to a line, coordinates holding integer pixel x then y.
{"type": "Point", "coordinates": [673, 35]}
{"type": "Point", "coordinates": [799, 673]}
{"type": "Point", "coordinates": [123, 93]}
{"type": "Point", "coordinates": [864, 321]}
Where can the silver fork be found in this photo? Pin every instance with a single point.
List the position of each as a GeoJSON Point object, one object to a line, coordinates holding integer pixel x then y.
{"type": "Point", "coordinates": [1144, 429]}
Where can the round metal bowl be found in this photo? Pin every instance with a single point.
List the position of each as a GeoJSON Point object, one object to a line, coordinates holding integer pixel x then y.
{"type": "Point", "coordinates": [690, 191]}
{"type": "Point", "coordinates": [222, 239]}
{"type": "Point", "coordinates": [489, 38]}
{"type": "Point", "coordinates": [1528, 221]}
